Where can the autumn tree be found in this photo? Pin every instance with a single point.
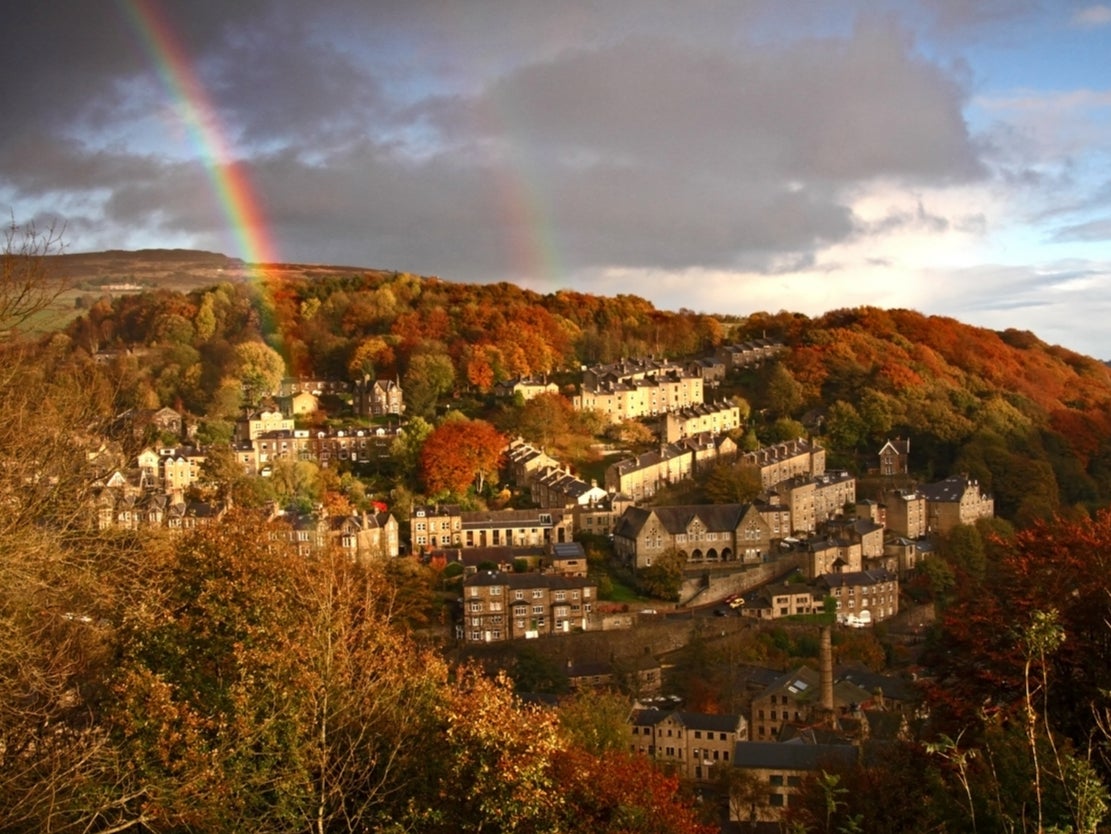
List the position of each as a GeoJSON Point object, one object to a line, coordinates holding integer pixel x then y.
{"type": "Point", "coordinates": [259, 368]}
{"type": "Point", "coordinates": [371, 357]}
{"type": "Point", "coordinates": [260, 689]}
{"type": "Point", "coordinates": [620, 793]}
{"type": "Point", "coordinates": [429, 377]}
{"type": "Point", "coordinates": [405, 450]}
{"type": "Point", "coordinates": [663, 579]}
{"type": "Point", "coordinates": [844, 427]}
{"type": "Point", "coordinates": [595, 721]}
{"type": "Point", "coordinates": [61, 586]}
{"type": "Point", "coordinates": [26, 286]}
{"type": "Point", "coordinates": [784, 393]}
{"type": "Point", "coordinates": [1051, 566]}
{"type": "Point", "coordinates": [545, 420]}
{"type": "Point", "coordinates": [631, 433]}
{"type": "Point", "coordinates": [733, 483]}
{"type": "Point", "coordinates": [460, 454]}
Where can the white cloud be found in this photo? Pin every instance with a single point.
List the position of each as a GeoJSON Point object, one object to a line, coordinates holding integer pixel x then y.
{"type": "Point", "coordinates": [1092, 16]}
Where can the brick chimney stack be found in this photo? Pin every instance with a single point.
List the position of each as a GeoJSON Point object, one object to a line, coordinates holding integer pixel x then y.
{"type": "Point", "coordinates": [825, 659]}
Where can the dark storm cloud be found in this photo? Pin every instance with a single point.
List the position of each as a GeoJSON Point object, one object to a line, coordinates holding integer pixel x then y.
{"type": "Point", "coordinates": [649, 152]}
{"type": "Point", "coordinates": [418, 136]}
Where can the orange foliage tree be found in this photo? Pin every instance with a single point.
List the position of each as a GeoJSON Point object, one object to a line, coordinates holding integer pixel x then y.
{"type": "Point", "coordinates": [460, 453]}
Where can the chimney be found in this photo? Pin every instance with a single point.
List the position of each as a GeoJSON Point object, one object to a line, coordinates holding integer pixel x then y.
{"type": "Point", "coordinates": [825, 658]}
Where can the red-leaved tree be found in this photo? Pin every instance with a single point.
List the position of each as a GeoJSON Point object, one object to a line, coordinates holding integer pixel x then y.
{"type": "Point", "coordinates": [459, 454]}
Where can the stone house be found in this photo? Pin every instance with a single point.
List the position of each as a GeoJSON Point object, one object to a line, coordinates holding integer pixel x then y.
{"type": "Point", "coordinates": [567, 559]}
{"type": "Point", "coordinates": [867, 533]}
{"type": "Point", "coordinates": [600, 517]}
{"type": "Point", "coordinates": [642, 476]}
{"type": "Point", "coordinates": [795, 699]}
{"type": "Point", "coordinates": [692, 744]}
{"type": "Point", "coordinates": [499, 606]}
{"type": "Point", "coordinates": [813, 500]}
{"type": "Point", "coordinates": [775, 774]}
{"type": "Point", "coordinates": [906, 513]}
{"type": "Point", "coordinates": [784, 461]}
{"type": "Point", "coordinates": [641, 674]}
{"type": "Point", "coordinates": [709, 449]}
{"type": "Point", "coordinates": [527, 386]}
{"type": "Point", "coordinates": [894, 457]}
{"type": "Point", "coordinates": [295, 385]}
{"type": "Point", "coordinates": [183, 516]}
{"type": "Point", "coordinates": [443, 526]}
{"type": "Point", "coordinates": [901, 556]}
{"type": "Point", "coordinates": [711, 418]}
{"type": "Point", "coordinates": [827, 555]}
{"type": "Point", "coordinates": [324, 447]}
{"type": "Point", "coordinates": [560, 488]}
{"type": "Point", "coordinates": [299, 404]}
{"type": "Point", "coordinates": [782, 600]}
{"type": "Point", "coordinates": [179, 468]}
{"type": "Point", "coordinates": [955, 500]}
{"type": "Point", "coordinates": [377, 398]}
{"type": "Point", "coordinates": [705, 533]}
{"type": "Point", "coordinates": [635, 388]}
{"type": "Point", "coordinates": [863, 597]}
{"type": "Point", "coordinates": [260, 421]}
{"type": "Point", "coordinates": [748, 354]}
{"type": "Point", "coordinates": [365, 535]}
{"type": "Point", "coordinates": [523, 461]}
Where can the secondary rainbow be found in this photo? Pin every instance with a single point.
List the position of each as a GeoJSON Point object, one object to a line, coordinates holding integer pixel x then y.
{"type": "Point", "coordinates": [238, 200]}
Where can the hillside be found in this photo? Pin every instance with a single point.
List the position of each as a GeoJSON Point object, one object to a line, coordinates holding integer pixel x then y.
{"type": "Point", "coordinates": [171, 269]}
{"type": "Point", "coordinates": [1030, 420]}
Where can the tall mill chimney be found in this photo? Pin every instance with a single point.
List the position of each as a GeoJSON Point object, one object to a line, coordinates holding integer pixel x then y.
{"type": "Point", "coordinates": [825, 659]}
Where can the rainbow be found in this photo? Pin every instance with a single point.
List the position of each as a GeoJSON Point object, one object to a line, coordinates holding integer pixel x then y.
{"type": "Point", "coordinates": [238, 200]}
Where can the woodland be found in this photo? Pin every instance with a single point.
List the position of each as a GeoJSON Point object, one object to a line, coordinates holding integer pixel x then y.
{"type": "Point", "coordinates": [219, 681]}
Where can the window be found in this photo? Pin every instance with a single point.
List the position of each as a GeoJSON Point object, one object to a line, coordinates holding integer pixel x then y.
{"type": "Point", "coordinates": [495, 591]}
{"type": "Point", "coordinates": [776, 800]}
{"type": "Point", "coordinates": [776, 779]}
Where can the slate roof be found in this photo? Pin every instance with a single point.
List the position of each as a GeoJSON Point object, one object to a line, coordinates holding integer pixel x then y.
{"type": "Point", "coordinates": [947, 491]}
{"type": "Point", "coordinates": [856, 578]}
{"type": "Point", "coordinates": [795, 755]}
{"type": "Point", "coordinates": [551, 581]}
{"type": "Point", "coordinates": [895, 688]}
{"type": "Point", "coordinates": [651, 716]}
{"type": "Point", "coordinates": [676, 519]}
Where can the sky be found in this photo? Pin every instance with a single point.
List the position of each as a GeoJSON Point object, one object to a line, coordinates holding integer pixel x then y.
{"type": "Point", "coordinates": [721, 156]}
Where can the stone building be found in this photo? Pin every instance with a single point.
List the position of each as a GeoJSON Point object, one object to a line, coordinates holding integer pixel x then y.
{"type": "Point", "coordinates": [500, 606]}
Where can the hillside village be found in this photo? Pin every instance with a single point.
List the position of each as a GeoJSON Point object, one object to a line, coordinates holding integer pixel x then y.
{"type": "Point", "coordinates": [807, 545]}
